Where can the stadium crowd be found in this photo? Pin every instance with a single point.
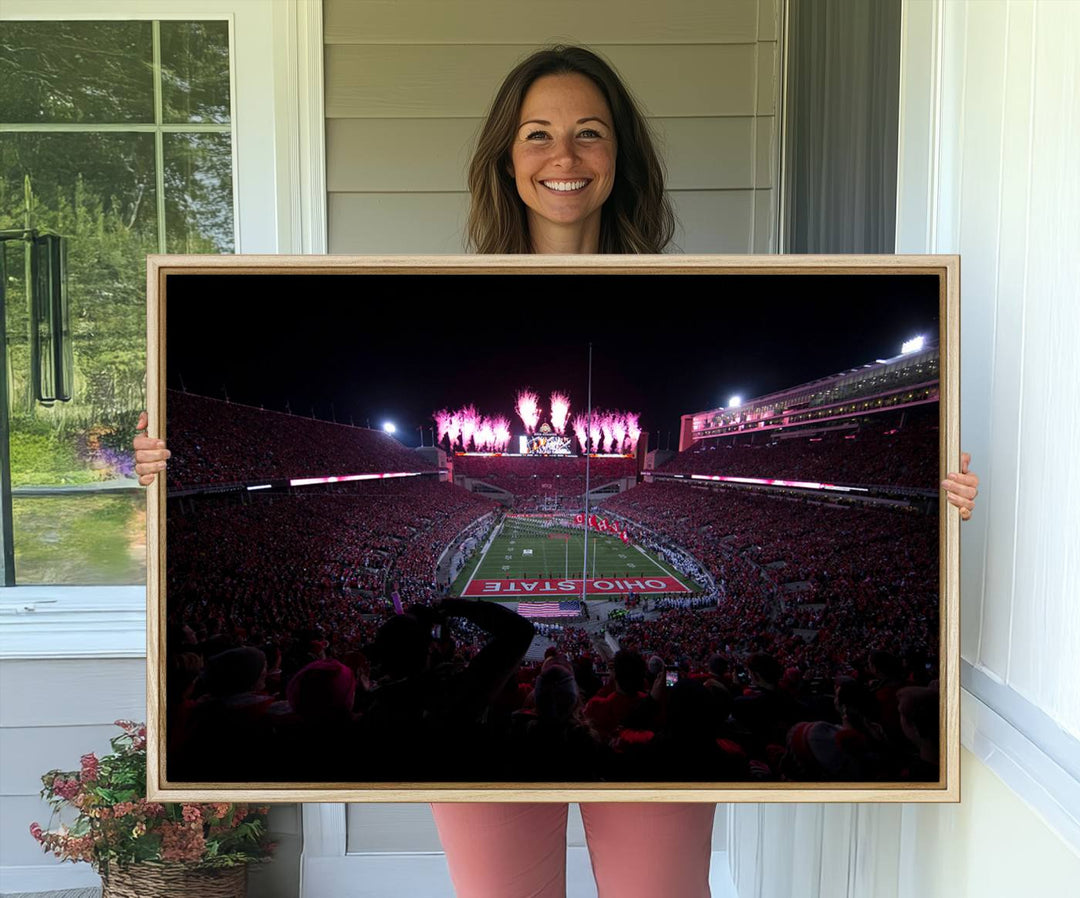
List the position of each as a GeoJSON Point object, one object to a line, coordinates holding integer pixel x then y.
{"type": "Point", "coordinates": [310, 559]}
{"type": "Point", "coordinates": [813, 658]}
{"type": "Point", "coordinates": [863, 568]}
{"type": "Point", "coordinates": [534, 480]}
{"type": "Point", "coordinates": [204, 434]}
{"type": "Point", "coordinates": [886, 449]}
{"type": "Point", "coordinates": [407, 705]}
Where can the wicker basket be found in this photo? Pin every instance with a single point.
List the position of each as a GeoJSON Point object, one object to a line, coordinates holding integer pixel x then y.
{"type": "Point", "coordinates": [174, 881]}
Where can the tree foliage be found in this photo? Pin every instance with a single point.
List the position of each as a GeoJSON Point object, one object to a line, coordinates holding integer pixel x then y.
{"type": "Point", "coordinates": [99, 190]}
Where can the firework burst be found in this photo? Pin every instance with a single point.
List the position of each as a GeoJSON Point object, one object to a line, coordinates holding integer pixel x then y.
{"type": "Point", "coordinates": [581, 430]}
{"type": "Point", "coordinates": [633, 429]}
{"type": "Point", "coordinates": [528, 409]}
{"type": "Point", "coordinates": [485, 435]}
{"type": "Point", "coordinates": [594, 433]}
{"type": "Point", "coordinates": [560, 411]}
{"type": "Point", "coordinates": [501, 427]}
{"type": "Point", "coordinates": [618, 429]}
{"type": "Point", "coordinates": [608, 437]}
{"type": "Point", "coordinates": [442, 422]}
{"type": "Point", "coordinates": [469, 425]}
{"type": "Point", "coordinates": [453, 428]}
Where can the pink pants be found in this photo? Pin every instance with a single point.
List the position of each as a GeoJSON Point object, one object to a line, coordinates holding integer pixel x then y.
{"type": "Point", "coordinates": [519, 850]}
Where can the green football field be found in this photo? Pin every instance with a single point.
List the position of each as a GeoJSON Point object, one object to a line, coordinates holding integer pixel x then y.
{"type": "Point", "coordinates": [528, 548]}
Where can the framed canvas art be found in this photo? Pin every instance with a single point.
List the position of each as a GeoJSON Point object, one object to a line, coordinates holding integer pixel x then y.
{"type": "Point", "coordinates": [554, 528]}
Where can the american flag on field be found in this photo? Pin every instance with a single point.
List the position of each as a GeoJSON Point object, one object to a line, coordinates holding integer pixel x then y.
{"type": "Point", "coordinates": [549, 609]}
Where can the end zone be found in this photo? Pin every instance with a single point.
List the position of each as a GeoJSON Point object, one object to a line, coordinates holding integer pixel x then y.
{"type": "Point", "coordinates": [599, 586]}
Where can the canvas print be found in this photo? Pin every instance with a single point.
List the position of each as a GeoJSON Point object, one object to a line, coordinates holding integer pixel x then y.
{"type": "Point", "coordinates": [529, 528]}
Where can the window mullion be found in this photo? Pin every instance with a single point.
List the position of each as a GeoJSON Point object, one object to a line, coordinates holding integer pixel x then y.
{"type": "Point", "coordinates": [159, 136]}
{"type": "Point", "coordinates": [133, 127]}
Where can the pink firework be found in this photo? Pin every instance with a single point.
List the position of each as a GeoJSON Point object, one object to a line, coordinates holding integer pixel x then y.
{"type": "Point", "coordinates": [485, 435]}
{"type": "Point", "coordinates": [594, 433]}
{"type": "Point", "coordinates": [606, 420]}
{"type": "Point", "coordinates": [453, 428]}
{"type": "Point", "coordinates": [581, 430]}
{"type": "Point", "coordinates": [501, 427]}
{"type": "Point", "coordinates": [469, 424]}
{"type": "Point", "coordinates": [633, 429]}
{"type": "Point", "coordinates": [560, 411]}
{"type": "Point", "coordinates": [618, 427]}
{"type": "Point", "coordinates": [528, 409]}
{"type": "Point", "coordinates": [442, 421]}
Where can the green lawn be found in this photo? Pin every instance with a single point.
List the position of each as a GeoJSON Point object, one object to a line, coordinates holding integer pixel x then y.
{"type": "Point", "coordinates": [84, 539]}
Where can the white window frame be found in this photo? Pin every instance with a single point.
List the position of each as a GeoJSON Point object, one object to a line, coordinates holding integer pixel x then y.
{"type": "Point", "coordinates": [279, 178]}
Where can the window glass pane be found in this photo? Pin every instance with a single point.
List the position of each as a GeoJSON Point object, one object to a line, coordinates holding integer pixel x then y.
{"type": "Point", "coordinates": [76, 72]}
{"type": "Point", "coordinates": [195, 71]}
{"type": "Point", "coordinates": [83, 540]}
{"type": "Point", "coordinates": [198, 193]}
{"type": "Point", "coordinates": [97, 190]}
{"type": "Point", "coordinates": [79, 515]}
{"type": "Point", "coordinates": [75, 177]}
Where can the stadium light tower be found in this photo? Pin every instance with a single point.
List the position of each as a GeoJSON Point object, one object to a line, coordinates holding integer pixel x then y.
{"type": "Point", "coordinates": [389, 427]}
{"type": "Point", "coordinates": [734, 402]}
{"type": "Point", "coordinates": [912, 345]}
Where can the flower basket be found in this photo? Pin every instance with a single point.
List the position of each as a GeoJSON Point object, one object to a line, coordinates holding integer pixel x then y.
{"type": "Point", "coordinates": [146, 849]}
{"type": "Point", "coordinates": [173, 881]}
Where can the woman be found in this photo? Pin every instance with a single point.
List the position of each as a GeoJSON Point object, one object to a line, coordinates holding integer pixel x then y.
{"type": "Point", "coordinates": [565, 164]}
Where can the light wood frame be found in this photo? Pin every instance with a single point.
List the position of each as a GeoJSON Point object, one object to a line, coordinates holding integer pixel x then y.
{"type": "Point", "coordinates": [946, 268]}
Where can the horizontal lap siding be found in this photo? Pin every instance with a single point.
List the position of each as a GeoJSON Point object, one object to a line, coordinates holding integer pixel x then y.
{"type": "Point", "coordinates": [27, 752]}
{"type": "Point", "coordinates": [708, 221]}
{"type": "Point", "coordinates": [530, 24]}
{"type": "Point", "coordinates": [397, 222]}
{"type": "Point", "coordinates": [713, 221]}
{"type": "Point", "coordinates": [51, 713]}
{"type": "Point", "coordinates": [408, 84]}
{"type": "Point", "coordinates": [64, 693]}
{"type": "Point", "coordinates": [432, 155]}
{"type": "Point", "coordinates": [454, 81]}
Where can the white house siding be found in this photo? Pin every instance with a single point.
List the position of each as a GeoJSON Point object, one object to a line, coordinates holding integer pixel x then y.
{"type": "Point", "coordinates": [1000, 163]}
{"type": "Point", "coordinates": [1013, 211]}
{"type": "Point", "coordinates": [408, 83]}
{"type": "Point", "coordinates": [991, 844]}
{"type": "Point", "coordinates": [53, 711]}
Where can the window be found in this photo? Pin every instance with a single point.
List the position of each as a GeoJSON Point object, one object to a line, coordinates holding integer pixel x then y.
{"type": "Point", "coordinates": [118, 136]}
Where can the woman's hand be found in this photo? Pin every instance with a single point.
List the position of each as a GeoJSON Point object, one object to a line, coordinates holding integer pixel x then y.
{"type": "Point", "coordinates": [150, 454]}
{"type": "Point", "coordinates": [962, 487]}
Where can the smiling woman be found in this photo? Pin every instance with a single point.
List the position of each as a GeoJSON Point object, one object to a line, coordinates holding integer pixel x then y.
{"type": "Point", "coordinates": [563, 117]}
{"type": "Point", "coordinates": [563, 162]}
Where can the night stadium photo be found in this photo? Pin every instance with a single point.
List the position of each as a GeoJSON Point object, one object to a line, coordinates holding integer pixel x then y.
{"type": "Point", "coordinates": [495, 527]}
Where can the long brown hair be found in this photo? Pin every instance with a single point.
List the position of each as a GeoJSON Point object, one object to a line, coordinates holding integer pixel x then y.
{"type": "Point", "coordinates": [636, 218]}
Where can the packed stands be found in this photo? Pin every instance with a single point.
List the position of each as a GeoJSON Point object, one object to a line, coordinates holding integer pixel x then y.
{"type": "Point", "coordinates": [214, 442]}
{"type": "Point", "coordinates": [866, 567]}
{"type": "Point", "coordinates": [532, 480]}
{"type": "Point", "coordinates": [812, 656]}
{"type": "Point", "coordinates": [302, 552]}
{"type": "Point", "coordinates": [895, 449]}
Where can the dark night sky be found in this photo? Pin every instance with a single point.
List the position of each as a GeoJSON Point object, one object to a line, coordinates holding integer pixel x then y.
{"type": "Point", "coordinates": [398, 347]}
